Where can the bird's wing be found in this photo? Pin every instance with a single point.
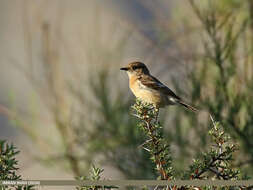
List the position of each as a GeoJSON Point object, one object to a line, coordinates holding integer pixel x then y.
{"type": "Point", "coordinates": [153, 83]}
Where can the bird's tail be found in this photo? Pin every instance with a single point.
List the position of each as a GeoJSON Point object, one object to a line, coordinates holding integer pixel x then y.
{"type": "Point", "coordinates": [187, 106]}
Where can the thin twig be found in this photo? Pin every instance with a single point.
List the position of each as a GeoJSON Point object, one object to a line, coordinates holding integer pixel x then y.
{"type": "Point", "coordinates": [147, 141]}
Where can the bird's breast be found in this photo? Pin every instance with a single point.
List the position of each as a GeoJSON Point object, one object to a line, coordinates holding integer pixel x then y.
{"type": "Point", "coordinates": [146, 94]}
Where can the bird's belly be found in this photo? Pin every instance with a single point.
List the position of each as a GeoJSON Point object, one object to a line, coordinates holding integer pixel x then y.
{"type": "Point", "coordinates": [150, 96]}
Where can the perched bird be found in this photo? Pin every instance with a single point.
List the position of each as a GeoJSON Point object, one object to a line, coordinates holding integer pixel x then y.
{"type": "Point", "coordinates": [149, 89]}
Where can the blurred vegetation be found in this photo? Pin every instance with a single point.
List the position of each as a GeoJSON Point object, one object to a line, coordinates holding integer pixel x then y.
{"type": "Point", "coordinates": [92, 118]}
{"type": "Point", "coordinates": [221, 81]}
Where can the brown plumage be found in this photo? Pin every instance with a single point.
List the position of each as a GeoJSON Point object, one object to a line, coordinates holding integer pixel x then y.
{"type": "Point", "coordinates": [149, 89]}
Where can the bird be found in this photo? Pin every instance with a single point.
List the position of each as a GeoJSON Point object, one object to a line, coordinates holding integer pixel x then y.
{"type": "Point", "coordinates": [149, 89]}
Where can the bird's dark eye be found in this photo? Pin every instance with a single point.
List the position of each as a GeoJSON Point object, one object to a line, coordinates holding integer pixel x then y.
{"type": "Point", "coordinates": [137, 67]}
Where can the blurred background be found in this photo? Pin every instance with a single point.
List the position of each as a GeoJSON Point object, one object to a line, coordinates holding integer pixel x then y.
{"type": "Point", "coordinates": [66, 105]}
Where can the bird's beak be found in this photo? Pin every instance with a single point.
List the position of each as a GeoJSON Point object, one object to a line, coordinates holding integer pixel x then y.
{"type": "Point", "coordinates": [124, 68]}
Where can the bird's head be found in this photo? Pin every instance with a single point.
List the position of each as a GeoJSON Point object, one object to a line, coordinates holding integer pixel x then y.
{"type": "Point", "coordinates": [135, 68]}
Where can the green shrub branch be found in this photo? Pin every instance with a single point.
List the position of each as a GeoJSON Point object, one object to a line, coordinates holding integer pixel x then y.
{"type": "Point", "coordinates": [155, 144]}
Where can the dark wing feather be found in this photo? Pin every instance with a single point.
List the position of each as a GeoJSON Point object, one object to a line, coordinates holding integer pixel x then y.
{"type": "Point", "coordinates": [153, 83]}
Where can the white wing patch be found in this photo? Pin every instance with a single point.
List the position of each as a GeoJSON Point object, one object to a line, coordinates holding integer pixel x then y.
{"type": "Point", "coordinates": [141, 85]}
{"type": "Point", "coordinates": [173, 100]}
